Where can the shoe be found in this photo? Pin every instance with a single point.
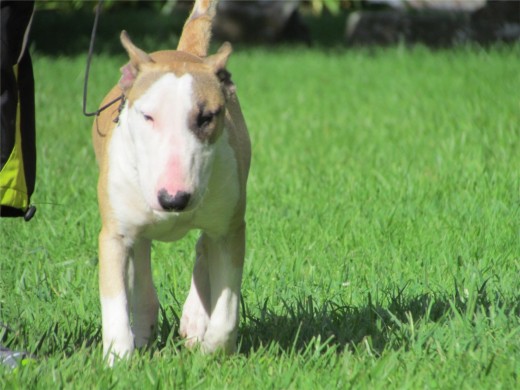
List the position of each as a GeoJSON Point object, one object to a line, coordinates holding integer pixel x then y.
{"type": "Point", "coordinates": [12, 358]}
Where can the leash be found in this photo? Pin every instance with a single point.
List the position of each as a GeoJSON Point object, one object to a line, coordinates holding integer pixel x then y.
{"type": "Point", "coordinates": [87, 70]}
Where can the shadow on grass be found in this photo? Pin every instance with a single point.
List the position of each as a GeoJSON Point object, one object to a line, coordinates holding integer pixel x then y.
{"type": "Point", "coordinates": [304, 321]}
{"type": "Point", "coordinates": [343, 326]}
{"type": "Point", "coordinates": [298, 325]}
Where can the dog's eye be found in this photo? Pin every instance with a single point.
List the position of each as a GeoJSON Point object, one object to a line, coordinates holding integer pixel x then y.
{"type": "Point", "coordinates": [146, 117]}
{"type": "Point", "coordinates": [204, 120]}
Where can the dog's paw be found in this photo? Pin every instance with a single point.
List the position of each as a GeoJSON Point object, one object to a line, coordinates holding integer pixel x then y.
{"type": "Point", "coordinates": [220, 338]}
{"type": "Point", "coordinates": [121, 348]}
{"type": "Point", "coordinates": [144, 329]}
{"type": "Point", "coordinates": [144, 337]}
{"type": "Point", "coordinates": [193, 326]}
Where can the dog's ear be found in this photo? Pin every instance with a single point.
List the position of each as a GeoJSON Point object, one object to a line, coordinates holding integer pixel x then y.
{"type": "Point", "coordinates": [218, 62]}
{"type": "Point", "coordinates": [137, 58]}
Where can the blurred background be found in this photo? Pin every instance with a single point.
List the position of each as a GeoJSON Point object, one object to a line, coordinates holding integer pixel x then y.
{"type": "Point", "coordinates": [63, 27]}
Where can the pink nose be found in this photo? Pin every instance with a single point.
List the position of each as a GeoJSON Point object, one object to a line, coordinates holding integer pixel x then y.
{"type": "Point", "coordinates": [177, 202]}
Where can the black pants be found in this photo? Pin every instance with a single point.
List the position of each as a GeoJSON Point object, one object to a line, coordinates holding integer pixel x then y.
{"type": "Point", "coordinates": [17, 131]}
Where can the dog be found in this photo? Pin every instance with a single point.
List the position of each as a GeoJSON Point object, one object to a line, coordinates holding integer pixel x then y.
{"type": "Point", "coordinates": [173, 157]}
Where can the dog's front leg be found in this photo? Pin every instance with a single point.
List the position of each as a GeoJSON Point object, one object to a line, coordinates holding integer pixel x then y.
{"type": "Point", "coordinates": [196, 310]}
{"type": "Point", "coordinates": [225, 265]}
{"type": "Point", "coordinates": [210, 314]}
{"type": "Point", "coordinates": [143, 297]}
{"type": "Point", "coordinates": [118, 339]}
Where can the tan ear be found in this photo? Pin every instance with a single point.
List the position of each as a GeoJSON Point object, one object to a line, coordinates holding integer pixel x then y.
{"type": "Point", "coordinates": [218, 62]}
{"type": "Point", "coordinates": [137, 58]}
{"type": "Point", "coordinates": [220, 58]}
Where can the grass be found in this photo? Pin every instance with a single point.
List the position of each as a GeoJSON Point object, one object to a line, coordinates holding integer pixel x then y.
{"type": "Point", "coordinates": [383, 241]}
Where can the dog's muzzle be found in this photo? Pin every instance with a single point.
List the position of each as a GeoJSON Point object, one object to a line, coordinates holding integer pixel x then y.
{"type": "Point", "coordinates": [177, 202]}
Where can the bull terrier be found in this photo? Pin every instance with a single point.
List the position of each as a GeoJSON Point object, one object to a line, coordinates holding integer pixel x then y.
{"type": "Point", "coordinates": [174, 157]}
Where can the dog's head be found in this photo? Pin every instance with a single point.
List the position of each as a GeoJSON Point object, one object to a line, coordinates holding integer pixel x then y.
{"type": "Point", "coordinates": [175, 111]}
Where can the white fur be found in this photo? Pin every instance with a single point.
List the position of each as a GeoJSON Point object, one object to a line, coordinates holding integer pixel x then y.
{"type": "Point", "coordinates": [118, 339]}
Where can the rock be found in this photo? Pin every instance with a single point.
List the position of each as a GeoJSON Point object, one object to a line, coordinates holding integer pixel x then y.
{"type": "Point", "coordinates": [438, 28]}
{"type": "Point", "coordinates": [260, 21]}
{"type": "Point", "coordinates": [381, 28]}
{"type": "Point", "coordinates": [496, 21]}
{"type": "Point", "coordinates": [432, 28]}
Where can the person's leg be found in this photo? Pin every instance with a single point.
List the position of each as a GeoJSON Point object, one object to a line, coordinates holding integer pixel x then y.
{"type": "Point", "coordinates": [17, 131]}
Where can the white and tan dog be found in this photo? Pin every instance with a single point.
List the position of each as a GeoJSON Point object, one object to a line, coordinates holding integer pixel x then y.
{"type": "Point", "coordinates": [174, 157]}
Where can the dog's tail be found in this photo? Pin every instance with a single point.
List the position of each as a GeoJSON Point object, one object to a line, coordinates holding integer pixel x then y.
{"type": "Point", "coordinates": [196, 33]}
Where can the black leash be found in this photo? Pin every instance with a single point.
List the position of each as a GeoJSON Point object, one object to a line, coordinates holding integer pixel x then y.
{"type": "Point", "coordinates": [87, 70]}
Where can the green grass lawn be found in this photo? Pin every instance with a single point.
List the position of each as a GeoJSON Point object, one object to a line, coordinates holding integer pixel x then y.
{"type": "Point", "coordinates": [383, 247]}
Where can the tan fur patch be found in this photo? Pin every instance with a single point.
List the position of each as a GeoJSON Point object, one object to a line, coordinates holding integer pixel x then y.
{"type": "Point", "coordinates": [206, 118]}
